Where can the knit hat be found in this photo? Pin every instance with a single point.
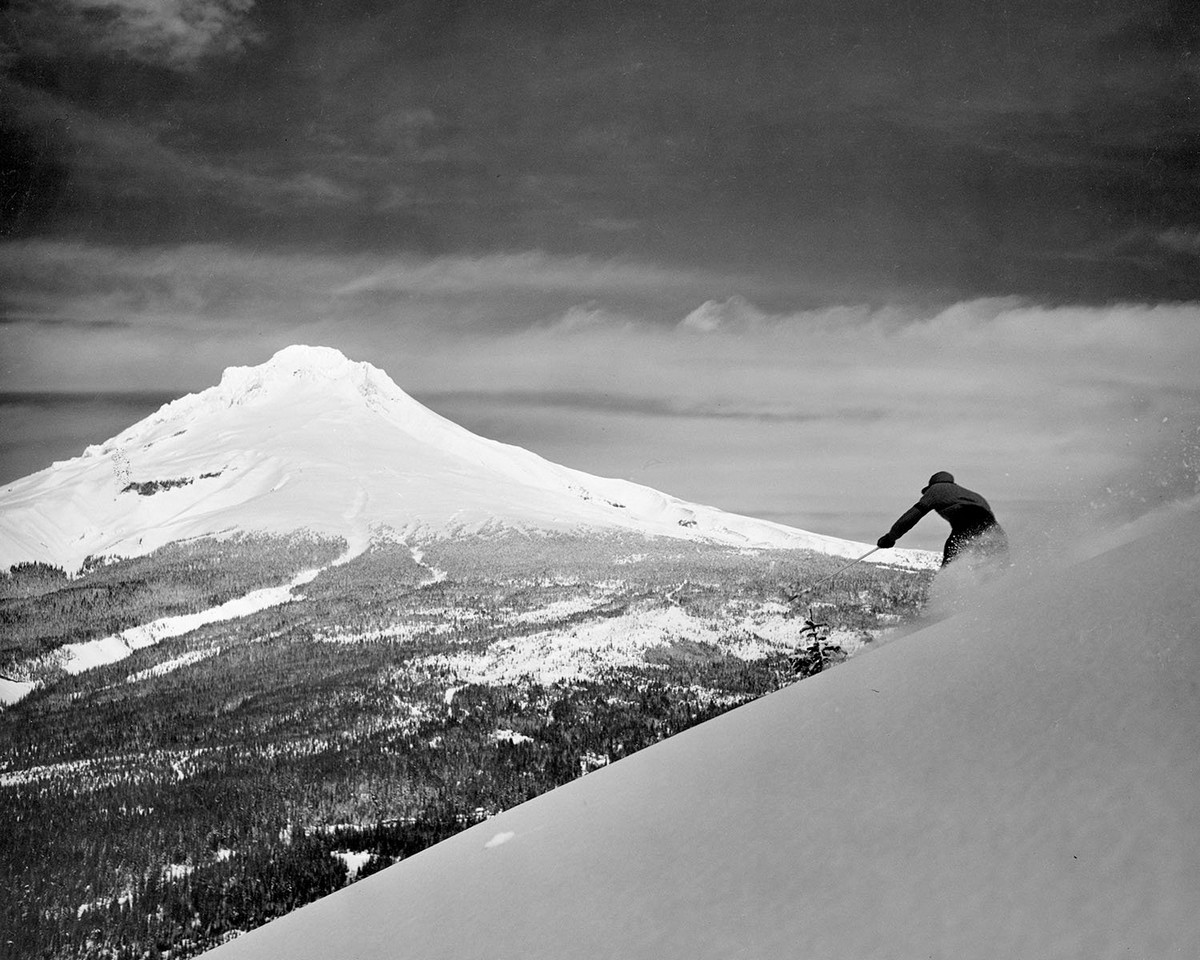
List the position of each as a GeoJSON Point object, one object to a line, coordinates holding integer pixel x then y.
{"type": "Point", "coordinates": [940, 477]}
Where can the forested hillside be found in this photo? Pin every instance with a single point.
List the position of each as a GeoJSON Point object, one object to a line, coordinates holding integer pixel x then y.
{"type": "Point", "coordinates": [210, 782]}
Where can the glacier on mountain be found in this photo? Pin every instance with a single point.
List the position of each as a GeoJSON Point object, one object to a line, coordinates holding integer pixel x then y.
{"type": "Point", "coordinates": [311, 440]}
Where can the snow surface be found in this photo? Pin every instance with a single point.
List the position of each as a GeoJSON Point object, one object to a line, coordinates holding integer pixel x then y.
{"type": "Point", "coordinates": [312, 440]}
{"type": "Point", "coordinates": [510, 736]}
{"type": "Point", "coordinates": [75, 658]}
{"type": "Point", "coordinates": [1020, 780]}
{"type": "Point", "coordinates": [594, 648]}
{"type": "Point", "coordinates": [89, 654]}
{"type": "Point", "coordinates": [170, 666]}
{"type": "Point", "coordinates": [13, 690]}
{"type": "Point", "coordinates": [354, 860]}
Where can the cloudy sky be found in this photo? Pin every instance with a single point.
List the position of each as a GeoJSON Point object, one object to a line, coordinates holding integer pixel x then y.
{"type": "Point", "coordinates": [788, 258]}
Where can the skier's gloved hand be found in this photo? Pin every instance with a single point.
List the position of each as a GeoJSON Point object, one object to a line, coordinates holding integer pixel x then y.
{"type": "Point", "coordinates": [886, 542]}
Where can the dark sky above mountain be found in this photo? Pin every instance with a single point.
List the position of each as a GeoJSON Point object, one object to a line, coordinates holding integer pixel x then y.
{"type": "Point", "coordinates": [194, 183]}
{"type": "Point", "coordinates": [846, 149]}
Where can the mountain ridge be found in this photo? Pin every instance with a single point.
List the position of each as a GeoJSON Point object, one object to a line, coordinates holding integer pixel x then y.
{"type": "Point", "coordinates": [310, 440]}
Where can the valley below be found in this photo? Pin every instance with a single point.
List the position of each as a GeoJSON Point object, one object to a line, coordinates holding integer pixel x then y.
{"type": "Point", "coordinates": [201, 778]}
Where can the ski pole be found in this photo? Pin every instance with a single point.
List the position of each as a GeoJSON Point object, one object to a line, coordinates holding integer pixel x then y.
{"type": "Point", "coordinates": [846, 567]}
{"type": "Point", "coordinates": [835, 573]}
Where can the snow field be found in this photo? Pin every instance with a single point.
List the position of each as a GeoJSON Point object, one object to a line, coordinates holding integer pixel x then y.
{"type": "Point", "coordinates": [13, 690]}
{"type": "Point", "coordinates": [354, 860]}
{"type": "Point", "coordinates": [510, 736]}
{"type": "Point", "coordinates": [594, 648]}
{"type": "Point", "coordinates": [77, 657]}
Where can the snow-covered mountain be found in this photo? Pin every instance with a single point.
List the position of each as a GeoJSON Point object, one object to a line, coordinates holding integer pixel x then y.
{"type": "Point", "coordinates": [1019, 781]}
{"type": "Point", "coordinates": [312, 440]}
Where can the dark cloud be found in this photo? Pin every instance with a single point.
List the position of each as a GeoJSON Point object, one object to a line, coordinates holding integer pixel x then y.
{"type": "Point", "coordinates": [114, 176]}
{"type": "Point", "coordinates": [175, 34]}
{"type": "Point", "coordinates": [34, 176]}
{"type": "Point", "coordinates": [868, 150]}
{"type": "Point", "coordinates": [9, 319]}
{"type": "Point", "coordinates": [223, 287]}
{"type": "Point", "coordinates": [642, 406]}
{"type": "Point", "coordinates": [1171, 27]}
{"type": "Point", "coordinates": [1180, 240]}
{"type": "Point", "coordinates": [137, 402]}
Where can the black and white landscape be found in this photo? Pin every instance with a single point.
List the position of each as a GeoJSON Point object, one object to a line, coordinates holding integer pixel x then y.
{"type": "Point", "coordinates": [437, 439]}
{"type": "Point", "coordinates": [289, 630]}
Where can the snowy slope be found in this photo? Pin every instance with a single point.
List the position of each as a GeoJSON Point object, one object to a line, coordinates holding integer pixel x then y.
{"type": "Point", "coordinates": [1018, 782]}
{"type": "Point", "coordinates": [310, 439]}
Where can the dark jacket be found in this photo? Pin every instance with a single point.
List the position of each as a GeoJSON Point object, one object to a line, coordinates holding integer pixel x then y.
{"type": "Point", "coordinates": [966, 511]}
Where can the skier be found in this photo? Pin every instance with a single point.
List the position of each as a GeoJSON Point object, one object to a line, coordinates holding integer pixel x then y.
{"type": "Point", "coordinates": [973, 526]}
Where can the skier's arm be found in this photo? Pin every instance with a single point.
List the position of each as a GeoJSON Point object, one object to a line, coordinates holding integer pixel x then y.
{"type": "Point", "coordinates": [907, 521]}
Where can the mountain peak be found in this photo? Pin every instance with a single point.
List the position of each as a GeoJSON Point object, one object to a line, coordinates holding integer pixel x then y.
{"type": "Point", "coordinates": [308, 365]}
{"type": "Point", "coordinates": [318, 357]}
{"type": "Point", "coordinates": [296, 384]}
{"type": "Point", "coordinates": [313, 440]}
{"type": "Point", "coordinates": [302, 361]}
